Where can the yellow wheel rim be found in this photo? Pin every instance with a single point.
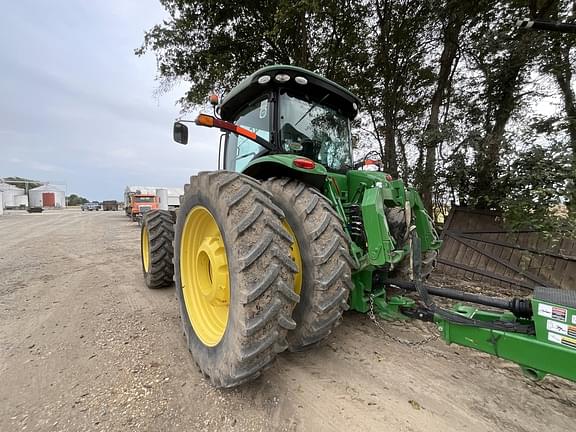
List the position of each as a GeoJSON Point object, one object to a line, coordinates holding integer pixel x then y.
{"type": "Point", "coordinates": [204, 276]}
{"type": "Point", "coordinates": [145, 241]}
{"type": "Point", "coordinates": [295, 253]}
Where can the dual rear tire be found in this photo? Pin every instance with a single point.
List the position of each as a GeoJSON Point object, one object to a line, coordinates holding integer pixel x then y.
{"type": "Point", "coordinates": [326, 263]}
{"type": "Point", "coordinates": [234, 276]}
{"type": "Point", "coordinates": [258, 268]}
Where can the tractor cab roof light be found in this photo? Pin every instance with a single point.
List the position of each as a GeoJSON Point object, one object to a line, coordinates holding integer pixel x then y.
{"type": "Point", "coordinates": [264, 79]}
{"type": "Point", "coordinates": [282, 78]}
{"type": "Point", "coordinates": [301, 80]}
{"type": "Point", "coordinates": [304, 163]}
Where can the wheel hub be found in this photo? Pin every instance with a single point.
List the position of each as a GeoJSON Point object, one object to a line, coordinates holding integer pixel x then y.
{"type": "Point", "coordinates": [145, 249]}
{"type": "Point", "coordinates": [296, 257]}
{"type": "Point", "coordinates": [213, 271]}
{"type": "Point", "coordinates": [204, 276]}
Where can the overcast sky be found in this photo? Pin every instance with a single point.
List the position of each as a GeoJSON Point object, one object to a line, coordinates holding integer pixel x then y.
{"type": "Point", "coordinates": [78, 107]}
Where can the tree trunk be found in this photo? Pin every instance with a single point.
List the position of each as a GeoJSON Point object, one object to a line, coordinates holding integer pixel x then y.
{"type": "Point", "coordinates": [562, 72]}
{"type": "Point", "coordinates": [403, 159]}
{"type": "Point", "coordinates": [504, 87]}
{"type": "Point", "coordinates": [390, 161]}
{"type": "Point", "coordinates": [485, 192]}
{"type": "Point", "coordinates": [432, 136]}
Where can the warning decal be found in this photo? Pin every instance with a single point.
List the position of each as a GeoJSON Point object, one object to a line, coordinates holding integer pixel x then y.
{"type": "Point", "coordinates": [554, 312]}
{"type": "Point", "coordinates": [559, 313]}
{"type": "Point", "coordinates": [561, 328]}
{"type": "Point", "coordinates": [563, 340]}
{"type": "Point", "coordinates": [557, 327]}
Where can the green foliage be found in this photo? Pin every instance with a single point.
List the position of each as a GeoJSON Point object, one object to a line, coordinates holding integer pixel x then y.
{"type": "Point", "coordinates": [214, 45]}
{"type": "Point", "coordinates": [390, 53]}
{"type": "Point", "coordinates": [21, 182]}
{"type": "Point", "coordinates": [538, 187]}
{"type": "Point", "coordinates": [75, 200]}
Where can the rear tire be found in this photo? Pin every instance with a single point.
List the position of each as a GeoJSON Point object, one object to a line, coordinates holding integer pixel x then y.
{"type": "Point", "coordinates": [402, 270]}
{"type": "Point", "coordinates": [156, 248]}
{"type": "Point", "coordinates": [260, 276]}
{"type": "Point", "coordinates": [326, 262]}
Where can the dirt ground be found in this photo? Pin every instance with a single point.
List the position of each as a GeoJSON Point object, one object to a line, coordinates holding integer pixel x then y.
{"type": "Point", "coordinates": [85, 346]}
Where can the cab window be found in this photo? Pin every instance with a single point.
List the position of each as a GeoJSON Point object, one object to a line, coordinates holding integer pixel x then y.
{"type": "Point", "coordinates": [240, 150]}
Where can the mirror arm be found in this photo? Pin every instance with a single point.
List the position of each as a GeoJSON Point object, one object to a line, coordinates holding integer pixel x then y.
{"type": "Point", "coordinates": [209, 121]}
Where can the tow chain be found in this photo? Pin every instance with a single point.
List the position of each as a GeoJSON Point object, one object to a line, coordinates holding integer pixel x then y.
{"type": "Point", "coordinates": [413, 344]}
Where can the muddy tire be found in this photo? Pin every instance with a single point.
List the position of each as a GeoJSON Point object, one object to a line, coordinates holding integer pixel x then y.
{"type": "Point", "coordinates": [235, 211]}
{"type": "Point", "coordinates": [156, 249]}
{"type": "Point", "coordinates": [396, 219]}
{"type": "Point", "coordinates": [326, 262]}
{"type": "Point", "coordinates": [402, 270]}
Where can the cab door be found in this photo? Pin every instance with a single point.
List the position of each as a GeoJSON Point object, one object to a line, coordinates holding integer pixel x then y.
{"type": "Point", "coordinates": [239, 151]}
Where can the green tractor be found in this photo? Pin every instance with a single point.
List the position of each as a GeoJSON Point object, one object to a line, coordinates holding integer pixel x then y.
{"type": "Point", "coordinates": [268, 252]}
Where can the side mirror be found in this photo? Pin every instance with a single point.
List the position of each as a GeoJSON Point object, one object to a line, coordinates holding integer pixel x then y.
{"type": "Point", "coordinates": [180, 133]}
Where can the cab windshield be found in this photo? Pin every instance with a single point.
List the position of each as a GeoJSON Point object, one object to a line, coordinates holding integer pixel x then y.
{"type": "Point", "coordinates": [144, 199]}
{"type": "Point", "coordinates": [315, 131]}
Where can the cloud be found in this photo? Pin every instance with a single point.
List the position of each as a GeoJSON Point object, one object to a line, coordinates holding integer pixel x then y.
{"type": "Point", "coordinates": [76, 104]}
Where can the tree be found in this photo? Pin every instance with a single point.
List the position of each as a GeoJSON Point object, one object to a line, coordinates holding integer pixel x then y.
{"type": "Point", "coordinates": [396, 82]}
{"type": "Point", "coordinates": [558, 61]}
{"type": "Point", "coordinates": [213, 45]}
{"type": "Point", "coordinates": [537, 184]}
{"type": "Point", "coordinates": [447, 87]}
{"type": "Point", "coordinates": [22, 183]}
{"type": "Point", "coordinates": [75, 200]}
{"type": "Point", "coordinates": [452, 18]}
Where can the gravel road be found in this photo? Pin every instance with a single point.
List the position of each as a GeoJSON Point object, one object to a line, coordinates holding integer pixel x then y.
{"type": "Point", "coordinates": [85, 346]}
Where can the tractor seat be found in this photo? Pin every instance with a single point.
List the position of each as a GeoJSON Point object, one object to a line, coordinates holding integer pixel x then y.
{"type": "Point", "coordinates": [556, 296]}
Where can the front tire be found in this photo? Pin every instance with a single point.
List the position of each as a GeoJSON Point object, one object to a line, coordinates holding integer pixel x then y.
{"type": "Point", "coordinates": [395, 216]}
{"type": "Point", "coordinates": [234, 276]}
{"type": "Point", "coordinates": [326, 263]}
{"type": "Point", "coordinates": [156, 249]}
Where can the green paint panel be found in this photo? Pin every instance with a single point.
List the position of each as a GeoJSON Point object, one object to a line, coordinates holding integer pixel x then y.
{"type": "Point", "coordinates": [536, 356]}
{"type": "Point", "coordinates": [287, 160]}
{"type": "Point", "coordinates": [380, 243]}
{"type": "Point", "coordinates": [359, 296]}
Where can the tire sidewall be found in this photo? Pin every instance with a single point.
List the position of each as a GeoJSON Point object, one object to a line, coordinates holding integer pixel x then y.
{"type": "Point", "coordinates": [305, 247]}
{"type": "Point", "coordinates": [142, 229]}
{"type": "Point", "coordinates": [208, 358]}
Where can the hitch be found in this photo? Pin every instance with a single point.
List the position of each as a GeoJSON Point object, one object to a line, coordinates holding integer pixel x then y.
{"type": "Point", "coordinates": [538, 333]}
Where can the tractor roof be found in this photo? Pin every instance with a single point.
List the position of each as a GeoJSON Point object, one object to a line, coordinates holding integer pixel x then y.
{"type": "Point", "coordinates": [316, 87]}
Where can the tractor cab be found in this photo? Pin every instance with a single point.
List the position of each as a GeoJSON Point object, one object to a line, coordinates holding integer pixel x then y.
{"type": "Point", "coordinates": [290, 111]}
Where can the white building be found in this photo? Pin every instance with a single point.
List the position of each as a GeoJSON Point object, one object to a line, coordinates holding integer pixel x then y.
{"type": "Point", "coordinates": [21, 201]}
{"type": "Point", "coordinates": [12, 195]}
{"type": "Point", "coordinates": [47, 196]}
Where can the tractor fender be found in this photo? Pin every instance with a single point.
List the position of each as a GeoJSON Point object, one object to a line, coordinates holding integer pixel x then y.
{"type": "Point", "coordinates": [282, 165]}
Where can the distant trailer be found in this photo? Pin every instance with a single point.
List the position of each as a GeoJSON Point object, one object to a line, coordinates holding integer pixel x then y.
{"type": "Point", "coordinates": [111, 205]}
